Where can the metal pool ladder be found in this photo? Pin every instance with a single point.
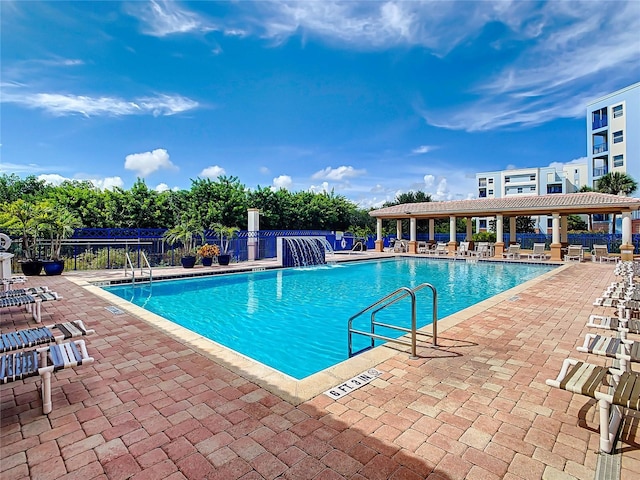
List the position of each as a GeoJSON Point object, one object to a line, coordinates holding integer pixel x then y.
{"type": "Point", "coordinates": [144, 268]}
{"type": "Point", "coordinates": [394, 297]}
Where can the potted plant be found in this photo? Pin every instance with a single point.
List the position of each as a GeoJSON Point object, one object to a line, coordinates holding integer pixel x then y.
{"type": "Point", "coordinates": [207, 252]}
{"type": "Point", "coordinates": [59, 223]}
{"type": "Point", "coordinates": [225, 234]}
{"type": "Point", "coordinates": [23, 218]}
{"type": "Point", "coordinates": [186, 233]}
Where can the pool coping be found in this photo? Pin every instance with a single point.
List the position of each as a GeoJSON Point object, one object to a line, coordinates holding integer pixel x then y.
{"type": "Point", "coordinates": [283, 385]}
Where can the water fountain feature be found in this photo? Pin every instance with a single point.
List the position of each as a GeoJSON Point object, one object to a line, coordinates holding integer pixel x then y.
{"type": "Point", "coordinates": [303, 251]}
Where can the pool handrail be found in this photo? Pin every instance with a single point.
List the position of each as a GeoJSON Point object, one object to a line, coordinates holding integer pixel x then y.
{"type": "Point", "coordinates": [383, 303]}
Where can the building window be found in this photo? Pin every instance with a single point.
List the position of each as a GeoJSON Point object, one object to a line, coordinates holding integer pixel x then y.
{"type": "Point", "coordinates": [519, 189]}
{"type": "Point", "coordinates": [490, 192]}
{"type": "Point", "coordinates": [555, 188]}
{"type": "Point", "coordinates": [549, 222]}
{"type": "Point", "coordinates": [617, 111]}
{"type": "Point", "coordinates": [532, 178]}
{"type": "Point", "coordinates": [483, 223]}
{"type": "Point", "coordinates": [507, 179]}
{"type": "Point", "coordinates": [533, 189]}
{"type": "Point", "coordinates": [618, 137]}
{"type": "Point", "coordinates": [491, 180]}
{"type": "Point", "coordinates": [618, 160]}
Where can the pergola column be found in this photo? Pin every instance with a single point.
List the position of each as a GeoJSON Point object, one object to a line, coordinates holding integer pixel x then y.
{"type": "Point", "coordinates": [556, 246]}
{"type": "Point", "coordinates": [452, 235]}
{"type": "Point", "coordinates": [564, 229]}
{"type": "Point", "coordinates": [512, 228]}
{"type": "Point", "coordinates": [399, 229]}
{"type": "Point", "coordinates": [469, 229]}
{"type": "Point", "coordinates": [626, 249]}
{"type": "Point", "coordinates": [413, 244]}
{"type": "Point", "coordinates": [499, 247]}
{"type": "Point", "coordinates": [379, 241]}
{"type": "Point", "coordinates": [432, 229]}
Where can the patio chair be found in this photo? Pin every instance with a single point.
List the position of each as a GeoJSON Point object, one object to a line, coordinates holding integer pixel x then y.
{"type": "Point", "coordinates": [597, 382]}
{"type": "Point", "coordinates": [483, 249]}
{"type": "Point", "coordinates": [32, 303]}
{"type": "Point", "coordinates": [600, 253]}
{"type": "Point", "coordinates": [440, 249]}
{"type": "Point", "coordinates": [43, 361]}
{"type": "Point", "coordinates": [422, 247]}
{"type": "Point", "coordinates": [574, 252]}
{"type": "Point", "coordinates": [618, 324]}
{"type": "Point", "coordinates": [622, 349]}
{"type": "Point", "coordinates": [463, 249]}
{"type": "Point", "coordinates": [34, 337]}
{"type": "Point", "coordinates": [512, 252]}
{"type": "Point", "coordinates": [23, 291]}
{"type": "Point", "coordinates": [401, 246]}
{"type": "Point", "coordinates": [7, 282]}
{"type": "Point", "coordinates": [538, 252]}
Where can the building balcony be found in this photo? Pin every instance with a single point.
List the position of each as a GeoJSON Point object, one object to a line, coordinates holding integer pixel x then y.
{"type": "Point", "coordinates": [599, 123]}
{"type": "Point", "coordinates": [600, 148]}
{"type": "Point", "coordinates": [599, 171]}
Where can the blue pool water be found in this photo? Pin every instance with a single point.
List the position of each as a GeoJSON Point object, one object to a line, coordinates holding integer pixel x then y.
{"type": "Point", "coordinates": [295, 320]}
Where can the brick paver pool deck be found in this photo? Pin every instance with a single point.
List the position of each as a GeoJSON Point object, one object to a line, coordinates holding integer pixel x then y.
{"type": "Point", "coordinates": [152, 407]}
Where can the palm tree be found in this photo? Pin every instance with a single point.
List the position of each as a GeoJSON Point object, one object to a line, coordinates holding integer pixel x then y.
{"type": "Point", "coordinates": [617, 183]}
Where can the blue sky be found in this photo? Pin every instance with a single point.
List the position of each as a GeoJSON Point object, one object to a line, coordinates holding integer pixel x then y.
{"type": "Point", "coordinates": [369, 99]}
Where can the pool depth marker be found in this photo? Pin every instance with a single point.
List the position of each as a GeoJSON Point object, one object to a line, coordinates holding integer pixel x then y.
{"type": "Point", "coordinates": [358, 381]}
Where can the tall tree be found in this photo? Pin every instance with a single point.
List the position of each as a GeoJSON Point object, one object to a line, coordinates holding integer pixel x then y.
{"type": "Point", "coordinates": [616, 183]}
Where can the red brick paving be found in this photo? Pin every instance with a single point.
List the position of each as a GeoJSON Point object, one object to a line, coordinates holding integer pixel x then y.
{"type": "Point", "coordinates": [477, 408]}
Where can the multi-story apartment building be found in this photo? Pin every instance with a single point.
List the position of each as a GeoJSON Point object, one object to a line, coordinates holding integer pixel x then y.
{"type": "Point", "coordinates": [530, 181]}
{"type": "Point", "coordinates": [613, 134]}
{"type": "Point", "coordinates": [613, 138]}
{"type": "Point", "coordinates": [613, 145]}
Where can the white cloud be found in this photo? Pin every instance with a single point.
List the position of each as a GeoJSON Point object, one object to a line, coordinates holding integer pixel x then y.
{"type": "Point", "coordinates": [162, 18]}
{"type": "Point", "coordinates": [429, 180]}
{"type": "Point", "coordinates": [108, 183]}
{"type": "Point", "coordinates": [148, 162]}
{"type": "Point", "coordinates": [282, 182]}
{"type": "Point", "coordinates": [322, 188]}
{"type": "Point", "coordinates": [575, 161]}
{"type": "Point", "coordinates": [265, 170]}
{"type": "Point", "coordinates": [422, 149]}
{"type": "Point", "coordinates": [65, 104]}
{"type": "Point", "coordinates": [162, 187]}
{"type": "Point", "coordinates": [338, 174]}
{"type": "Point", "coordinates": [52, 178]}
{"type": "Point", "coordinates": [562, 51]}
{"type": "Point", "coordinates": [24, 168]}
{"type": "Point", "coordinates": [212, 172]}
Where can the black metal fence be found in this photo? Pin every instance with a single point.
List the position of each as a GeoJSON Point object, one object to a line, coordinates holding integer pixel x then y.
{"type": "Point", "coordinates": [106, 248]}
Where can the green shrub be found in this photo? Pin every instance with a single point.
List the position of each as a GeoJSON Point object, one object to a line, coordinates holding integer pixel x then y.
{"type": "Point", "coordinates": [484, 237]}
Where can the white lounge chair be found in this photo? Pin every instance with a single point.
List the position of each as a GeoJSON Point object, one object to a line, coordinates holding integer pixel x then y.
{"type": "Point", "coordinates": [43, 362]}
{"type": "Point", "coordinates": [32, 303]}
{"type": "Point", "coordinates": [512, 252]}
{"type": "Point", "coordinates": [34, 337]}
{"type": "Point", "coordinates": [538, 252]}
{"type": "Point", "coordinates": [440, 249]}
{"type": "Point", "coordinates": [463, 249]}
{"type": "Point", "coordinates": [613, 389]}
{"type": "Point", "coordinates": [483, 249]}
{"type": "Point", "coordinates": [600, 253]}
{"type": "Point", "coordinates": [574, 252]}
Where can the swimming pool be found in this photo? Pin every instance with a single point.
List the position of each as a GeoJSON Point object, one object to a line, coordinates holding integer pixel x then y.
{"type": "Point", "coordinates": [295, 320]}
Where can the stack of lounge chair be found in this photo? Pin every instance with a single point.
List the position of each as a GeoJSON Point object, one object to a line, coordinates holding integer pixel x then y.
{"type": "Point", "coordinates": [43, 350]}
{"type": "Point", "coordinates": [31, 298]}
{"type": "Point", "coordinates": [617, 387]}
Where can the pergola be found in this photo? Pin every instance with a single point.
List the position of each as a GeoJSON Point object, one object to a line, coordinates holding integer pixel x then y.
{"type": "Point", "coordinates": [559, 207]}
